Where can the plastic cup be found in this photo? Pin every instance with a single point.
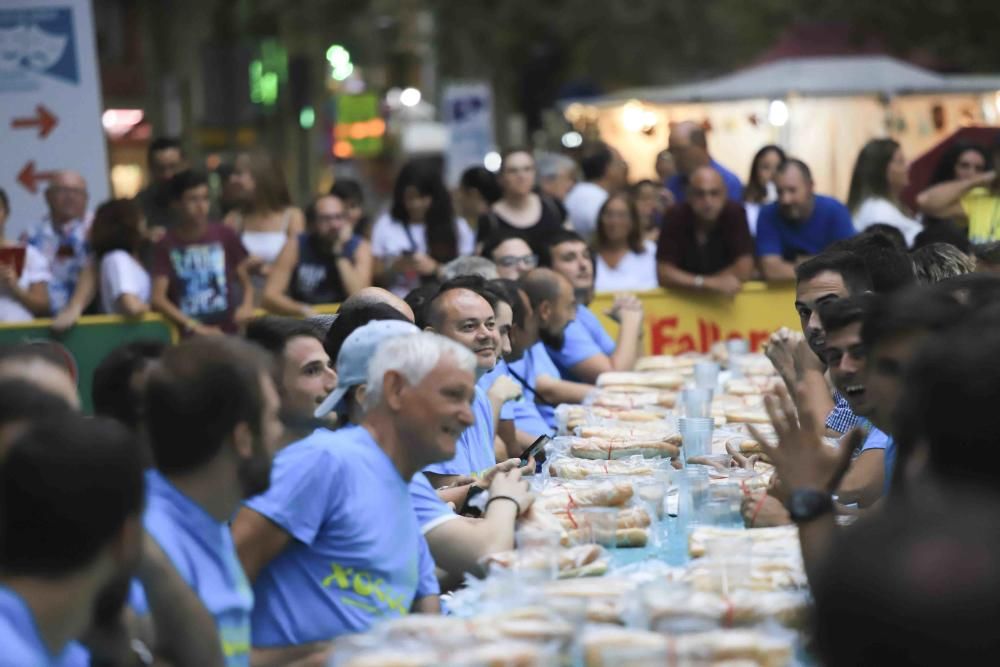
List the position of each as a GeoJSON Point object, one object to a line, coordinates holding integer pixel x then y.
{"type": "Point", "coordinates": [651, 494]}
{"type": "Point", "coordinates": [737, 347]}
{"type": "Point", "coordinates": [697, 402]}
{"type": "Point", "coordinates": [696, 436]}
{"type": "Point", "coordinates": [599, 525]}
{"type": "Point", "coordinates": [706, 374]}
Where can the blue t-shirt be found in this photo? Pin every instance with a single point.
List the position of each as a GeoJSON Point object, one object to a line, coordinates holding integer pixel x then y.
{"type": "Point", "coordinates": [536, 418]}
{"type": "Point", "coordinates": [523, 412]}
{"type": "Point", "coordinates": [677, 184]}
{"type": "Point", "coordinates": [202, 551]}
{"type": "Point", "coordinates": [21, 643]}
{"type": "Point", "coordinates": [474, 450]}
{"type": "Point", "coordinates": [830, 221]}
{"type": "Point", "coordinates": [875, 439]}
{"type": "Point", "coordinates": [357, 555]}
{"type": "Point", "coordinates": [584, 338]}
{"type": "Point", "coordinates": [431, 511]}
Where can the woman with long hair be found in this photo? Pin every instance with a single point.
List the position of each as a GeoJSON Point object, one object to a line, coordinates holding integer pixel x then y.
{"type": "Point", "coordinates": [650, 205]}
{"type": "Point", "coordinates": [116, 238]}
{"type": "Point", "coordinates": [880, 175]}
{"type": "Point", "coordinates": [264, 218]}
{"type": "Point", "coordinates": [624, 259]}
{"type": "Point", "coordinates": [419, 233]}
{"type": "Point", "coordinates": [520, 211]}
{"type": "Point", "coordinates": [760, 188]}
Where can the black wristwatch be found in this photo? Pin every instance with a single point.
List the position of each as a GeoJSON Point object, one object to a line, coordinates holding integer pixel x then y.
{"type": "Point", "coordinates": [808, 504]}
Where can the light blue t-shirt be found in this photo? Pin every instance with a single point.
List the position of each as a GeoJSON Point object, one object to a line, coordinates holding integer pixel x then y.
{"type": "Point", "coordinates": [474, 450]}
{"type": "Point", "coordinates": [584, 338]}
{"type": "Point", "coordinates": [431, 511]}
{"type": "Point", "coordinates": [357, 555]}
{"type": "Point", "coordinates": [202, 551]}
{"type": "Point", "coordinates": [535, 418]}
{"type": "Point", "coordinates": [523, 412]}
{"type": "Point", "coordinates": [21, 643]}
{"type": "Point", "coordinates": [875, 439]}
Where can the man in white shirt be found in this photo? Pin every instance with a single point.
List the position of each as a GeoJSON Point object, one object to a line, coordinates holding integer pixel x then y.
{"type": "Point", "coordinates": [604, 171]}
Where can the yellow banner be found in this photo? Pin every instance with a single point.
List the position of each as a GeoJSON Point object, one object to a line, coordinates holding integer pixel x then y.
{"type": "Point", "coordinates": [680, 321]}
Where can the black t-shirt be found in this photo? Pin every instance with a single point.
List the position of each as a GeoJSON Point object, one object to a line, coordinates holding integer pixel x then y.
{"type": "Point", "coordinates": [551, 220]}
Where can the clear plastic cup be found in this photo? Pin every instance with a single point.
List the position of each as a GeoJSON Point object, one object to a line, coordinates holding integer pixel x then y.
{"type": "Point", "coordinates": [706, 374]}
{"type": "Point", "coordinates": [696, 436]}
{"type": "Point", "coordinates": [599, 525]}
{"type": "Point", "coordinates": [698, 402]}
{"type": "Point", "coordinates": [737, 347]}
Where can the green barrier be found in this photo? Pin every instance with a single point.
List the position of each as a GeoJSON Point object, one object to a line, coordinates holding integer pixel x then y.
{"type": "Point", "coordinates": [91, 340]}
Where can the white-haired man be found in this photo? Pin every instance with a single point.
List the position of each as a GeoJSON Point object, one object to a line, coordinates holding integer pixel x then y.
{"type": "Point", "coordinates": [334, 545]}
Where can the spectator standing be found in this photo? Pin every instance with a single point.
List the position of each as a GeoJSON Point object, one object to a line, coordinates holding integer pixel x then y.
{"type": "Point", "coordinates": [164, 158]}
{"type": "Point", "coordinates": [799, 225]}
{"type": "Point", "coordinates": [419, 233]}
{"type": "Point", "coordinates": [265, 217]}
{"type": "Point", "coordinates": [349, 191]}
{"type": "Point", "coordinates": [478, 190]}
{"type": "Point", "coordinates": [61, 236]}
{"type": "Point", "coordinates": [650, 205]}
{"type": "Point", "coordinates": [116, 238]}
{"type": "Point", "coordinates": [879, 178]}
{"type": "Point", "coordinates": [604, 172]}
{"type": "Point", "coordinates": [201, 281]}
{"type": "Point", "coordinates": [961, 161]}
{"type": "Point", "coordinates": [520, 211]}
{"type": "Point", "coordinates": [976, 197]}
{"type": "Point", "coordinates": [326, 264]}
{"type": "Point", "coordinates": [689, 146]}
{"type": "Point", "coordinates": [556, 175]}
{"type": "Point", "coordinates": [24, 276]}
{"type": "Point", "coordinates": [705, 243]}
{"type": "Point", "coordinates": [760, 188]}
{"type": "Point", "coordinates": [624, 260]}
{"type": "Point", "coordinates": [512, 255]}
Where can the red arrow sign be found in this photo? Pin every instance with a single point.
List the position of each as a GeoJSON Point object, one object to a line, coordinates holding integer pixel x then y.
{"type": "Point", "coordinates": [43, 120]}
{"type": "Point", "coordinates": [29, 178]}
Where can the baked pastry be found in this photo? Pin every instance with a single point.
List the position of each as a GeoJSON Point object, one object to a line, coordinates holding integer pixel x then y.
{"type": "Point", "coordinates": [576, 468]}
{"type": "Point", "coordinates": [604, 646]}
{"type": "Point", "coordinates": [563, 497]}
{"type": "Point", "coordinates": [600, 448]}
{"type": "Point", "coordinates": [656, 379]}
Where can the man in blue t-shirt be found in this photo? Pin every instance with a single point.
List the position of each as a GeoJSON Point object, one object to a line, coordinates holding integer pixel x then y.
{"type": "Point", "coordinates": [801, 224]}
{"type": "Point", "coordinates": [72, 496]}
{"type": "Point", "coordinates": [689, 147]}
{"type": "Point", "coordinates": [334, 545]}
{"type": "Point", "coordinates": [466, 316]}
{"type": "Point", "coordinates": [587, 350]}
{"type": "Point", "coordinates": [212, 414]}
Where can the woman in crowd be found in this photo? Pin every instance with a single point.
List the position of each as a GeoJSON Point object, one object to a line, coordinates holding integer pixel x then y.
{"type": "Point", "coordinates": [520, 211]}
{"type": "Point", "coordinates": [760, 187]}
{"type": "Point", "coordinates": [419, 233]}
{"type": "Point", "coordinates": [478, 190]}
{"type": "Point", "coordinates": [24, 276]}
{"type": "Point", "coordinates": [648, 199]}
{"type": "Point", "coordinates": [327, 264]}
{"type": "Point", "coordinates": [625, 261]}
{"type": "Point", "coordinates": [960, 162]}
{"type": "Point", "coordinates": [265, 218]}
{"type": "Point", "coordinates": [880, 175]}
{"type": "Point", "coordinates": [349, 191]}
{"type": "Point", "coordinates": [116, 240]}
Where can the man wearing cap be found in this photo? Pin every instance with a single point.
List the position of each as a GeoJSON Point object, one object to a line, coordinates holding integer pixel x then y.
{"type": "Point", "coordinates": [457, 543]}
{"type": "Point", "coordinates": [335, 545]}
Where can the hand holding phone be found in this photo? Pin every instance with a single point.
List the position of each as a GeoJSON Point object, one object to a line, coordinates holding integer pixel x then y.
{"type": "Point", "coordinates": [536, 449]}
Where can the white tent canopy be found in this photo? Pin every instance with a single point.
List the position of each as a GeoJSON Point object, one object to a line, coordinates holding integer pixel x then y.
{"type": "Point", "coordinates": [821, 110]}
{"type": "Point", "coordinates": [813, 77]}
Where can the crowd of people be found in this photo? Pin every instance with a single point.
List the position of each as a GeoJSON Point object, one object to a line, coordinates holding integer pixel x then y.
{"type": "Point", "coordinates": [246, 498]}
{"type": "Point", "coordinates": [205, 263]}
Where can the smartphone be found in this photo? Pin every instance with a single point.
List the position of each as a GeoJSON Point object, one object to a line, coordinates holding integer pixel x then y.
{"type": "Point", "coordinates": [537, 447]}
{"type": "Point", "coordinates": [468, 510]}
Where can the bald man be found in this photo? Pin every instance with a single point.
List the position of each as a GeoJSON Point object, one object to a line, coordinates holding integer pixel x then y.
{"type": "Point", "coordinates": [705, 243]}
{"type": "Point", "coordinates": [689, 146]}
{"type": "Point", "coordinates": [369, 296]}
{"type": "Point", "coordinates": [61, 236]}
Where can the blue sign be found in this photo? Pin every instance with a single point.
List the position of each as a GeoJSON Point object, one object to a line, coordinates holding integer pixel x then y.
{"type": "Point", "coordinates": [36, 41]}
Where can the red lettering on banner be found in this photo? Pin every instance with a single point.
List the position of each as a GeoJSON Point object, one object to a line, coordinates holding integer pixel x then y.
{"type": "Point", "coordinates": [666, 339]}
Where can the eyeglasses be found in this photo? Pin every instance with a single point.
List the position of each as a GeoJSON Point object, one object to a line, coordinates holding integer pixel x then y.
{"type": "Point", "coordinates": [510, 261]}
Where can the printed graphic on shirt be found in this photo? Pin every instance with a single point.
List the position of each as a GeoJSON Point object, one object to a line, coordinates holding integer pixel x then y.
{"type": "Point", "coordinates": [202, 271]}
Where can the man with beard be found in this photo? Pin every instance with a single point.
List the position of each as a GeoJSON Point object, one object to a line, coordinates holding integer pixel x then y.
{"type": "Point", "coordinates": [327, 264]}
{"type": "Point", "coordinates": [71, 491]}
{"type": "Point", "coordinates": [165, 157]}
{"type": "Point", "coordinates": [335, 545]}
{"type": "Point", "coordinates": [800, 225]}
{"type": "Point", "coordinates": [553, 307]}
{"type": "Point", "coordinates": [212, 413]}
{"type": "Point", "coordinates": [587, 349]}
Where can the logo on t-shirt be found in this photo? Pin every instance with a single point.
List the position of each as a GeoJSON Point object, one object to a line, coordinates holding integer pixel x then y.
{"type": "Point", "coordinates": [201, 270]}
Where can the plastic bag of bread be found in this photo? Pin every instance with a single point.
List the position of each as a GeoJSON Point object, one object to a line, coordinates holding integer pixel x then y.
{"type": "Point", "coordinates": [756, 364]}
{"type": "Point", "coordinates": [605, 599]}
{"type": "Point", "coordinates": [668, 362]}
{"type": "Point", "coordinates": [776, 539]}
{"type": "Point", "coordinates": [765, 649]}
{"type": "Point", "coordinates": [665, 430]}
{"type": "Point", "coordinates": [560, 495]}
{"type": "Point", "coordinates": [586, 560]}
{"type": "Point", "coordinates": [505, 653]}
{"type": "Point", "coordinates": [610, 448]}
{"type": "Point", "coordinates": [568, 467]}
{"type": "Point", "coordinates": [628, 517]}
{"type": "Point", "coordinates": [632, 400]}
{"type": "Point", "coordinates": [613, 646]}
{"type": "Point", "coordinates": [655, 379]}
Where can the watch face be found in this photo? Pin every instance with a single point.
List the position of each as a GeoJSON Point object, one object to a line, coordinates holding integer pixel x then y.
{"type": "Point", "coordinates": [805, 504]}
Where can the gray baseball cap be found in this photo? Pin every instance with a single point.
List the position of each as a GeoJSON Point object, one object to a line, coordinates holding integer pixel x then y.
{"type": "Point", "coordinates": [355, 354]}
